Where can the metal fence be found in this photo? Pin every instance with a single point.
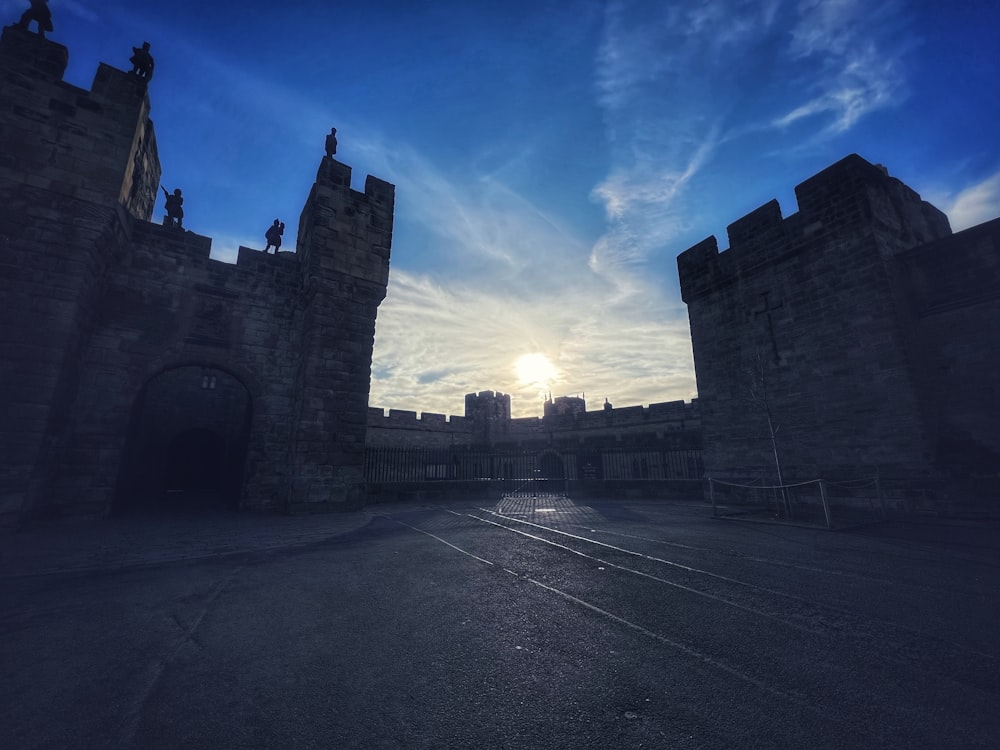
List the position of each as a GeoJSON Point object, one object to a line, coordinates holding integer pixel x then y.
{"type": "Point", "coordinates": [387, 465]}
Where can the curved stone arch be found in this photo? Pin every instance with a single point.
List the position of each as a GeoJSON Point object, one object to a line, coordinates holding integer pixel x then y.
{"type": "Point", "coordinates": [159, 365]}
{"type": "Point", "coordinates": [134, 452]}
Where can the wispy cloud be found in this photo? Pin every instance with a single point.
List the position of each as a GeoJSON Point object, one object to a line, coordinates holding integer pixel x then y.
{"type": "Point", "coordinates": [510, 281]}
{"type": "Point", "coordinates": [435, 342]}
{"type": "Point", "coordinates": [680, 83]}
{"type": "Point", "coordinates": [867, 81]}
{"type": "Point", "coordinates": [973, 205]}
{"type": "Point", "coordinates": [640, 204]}
{"type": "Point", "coordinates": [666, 76]}
{"type": "Point", "coordinates": [857, 70]}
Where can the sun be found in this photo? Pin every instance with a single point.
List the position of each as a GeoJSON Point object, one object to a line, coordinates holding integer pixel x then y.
{"type": "Point", "coordinates": [535, 370]}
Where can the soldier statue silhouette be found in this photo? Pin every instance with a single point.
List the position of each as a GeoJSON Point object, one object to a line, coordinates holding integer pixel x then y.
{"type": "Point", "coordinates": [175, 212]}
{"type": "Point", "coordinates": [142, 62]}
{"type": "Point", "coordinates": [39, 13]}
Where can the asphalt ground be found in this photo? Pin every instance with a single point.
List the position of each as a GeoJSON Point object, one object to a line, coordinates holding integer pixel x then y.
{"type": "Point", "coordinates": [532, 623]}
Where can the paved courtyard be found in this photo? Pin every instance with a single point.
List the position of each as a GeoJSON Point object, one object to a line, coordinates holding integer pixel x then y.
{"type": "Point", "coordinates": [530, 623]}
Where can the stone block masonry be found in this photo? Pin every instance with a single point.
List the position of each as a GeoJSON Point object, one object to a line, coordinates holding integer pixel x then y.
{"type": "Point", "coordinates": [127, 354]}
{"type": "Point", "coordinates": [814, 321]}
{"type": "Point", "coordinates": [487, 424]}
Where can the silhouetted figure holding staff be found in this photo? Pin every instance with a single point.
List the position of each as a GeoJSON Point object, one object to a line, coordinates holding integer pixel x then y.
{"type": "Point", "coordinates": [331, 143]}
{"type": "Point", "coordinates": [273, 236]}
{"type": "Point", "coordinates": [175, 214]}
{"type": "Point", "coordinates": [38, 12]}
{"type": "Point", "coordinates": [142, 62]}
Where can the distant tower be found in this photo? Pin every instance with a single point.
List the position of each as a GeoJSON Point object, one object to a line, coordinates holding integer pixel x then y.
{"type": "Point", "coordinates": [489, 413]}
{"type": "Point", "coordinates": [565, 406]}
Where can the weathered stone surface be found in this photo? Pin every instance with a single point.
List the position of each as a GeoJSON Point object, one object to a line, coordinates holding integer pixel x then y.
{"type": "Point", "coordinates": [121, 334]}
{"type": "Point", "coordinates": [857, 325]}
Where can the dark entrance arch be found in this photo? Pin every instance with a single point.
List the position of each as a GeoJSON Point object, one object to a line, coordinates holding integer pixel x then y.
{"type": "Point", "coordinates": [194, 462]}
{"type": "Point", "coordinates": [550, 466]}
{"type": "Point", "coordinates": [187, 443]}
{"type": "Point", "coordinates": [551, 473]}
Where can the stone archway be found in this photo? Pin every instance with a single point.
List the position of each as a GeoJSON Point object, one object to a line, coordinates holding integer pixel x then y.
{"type": "Point", "coordinates": [187, 443]}
{"type": "Point", "coordinates": [194, 461]}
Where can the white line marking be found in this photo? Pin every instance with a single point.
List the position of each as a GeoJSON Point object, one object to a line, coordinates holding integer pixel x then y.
{"type": "Point", "coordinates": [457, 549]}
{"type": "Point", "coordinates": [815, 605]}
{"type": "Point", "coordinates": [687, 650]}
{"type": "Point", "coordinates": [639, 554]}
{"type": "Point", "coordinates": [650, 576]}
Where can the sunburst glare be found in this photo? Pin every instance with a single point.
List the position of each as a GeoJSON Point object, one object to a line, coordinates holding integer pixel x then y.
{"type": "Point", "coordinates": [536, 371]}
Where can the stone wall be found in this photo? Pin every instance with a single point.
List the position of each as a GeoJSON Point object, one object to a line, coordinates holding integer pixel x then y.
{"type": "Point", "coordinates": [428, 430]}
{"type": "Point", "coordinates": [804, 330]}
{"type": "Point", "coordinates": [486, 427]}
{"type": "Point", "coordinates": [674, 422]}
{"type": "Point", "coordinates": [104, 308]}
{"type": "Point", "coordinates": [345, 238]}
{"type": "Point", "coordinates": [64, 153]}
{"type": "Point", "coordinates": [951, 290]}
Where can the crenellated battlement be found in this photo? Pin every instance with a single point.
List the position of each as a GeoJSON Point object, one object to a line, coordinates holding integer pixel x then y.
{"type": "Point", "coordinates": [485, 422]}
{"type": "Point", "coordinates": [96, 146]}
{"type": "Point", "coordinates": [840, 340]}
{"type": "Point", "coordinates": [403, 419]}
{"type": "Point", "coordinates": [110, 301]}
{"type": "Point", "coordinates": [30, 56]}
{"type": "Point", "coordinates": [848, 199]}
{"type": "Point", "coordinates": [344, 231]}
{"type": "Point", "coordinates": [679, 415]}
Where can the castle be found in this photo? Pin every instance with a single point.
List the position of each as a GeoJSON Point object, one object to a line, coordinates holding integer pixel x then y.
{"type": "Point", "coordinates": [565, 423]}
{"type": "Point", "coordinates": [129, 357]}
{"type": "Point", "coordinates": [856, 337]}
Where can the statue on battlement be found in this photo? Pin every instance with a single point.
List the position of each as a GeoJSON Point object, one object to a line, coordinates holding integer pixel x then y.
{"type": "Point", "coordinates": [142, 62]}
{"type": "Point", "coordinates": [273, 236]}
{"type": "Point", "coordinates": [39, 13]}
{"type": "Point", "coordinates": [331, 143]}
{"type": "Point", "coordinates": [175, 212]}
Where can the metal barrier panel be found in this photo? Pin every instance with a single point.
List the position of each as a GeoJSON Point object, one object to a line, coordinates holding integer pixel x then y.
{"type": "Point", "coordinates": [389, 464]}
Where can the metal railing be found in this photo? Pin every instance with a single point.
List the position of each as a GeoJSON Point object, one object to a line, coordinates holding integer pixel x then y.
{"type": "Point", "coordinates": [393, 464]}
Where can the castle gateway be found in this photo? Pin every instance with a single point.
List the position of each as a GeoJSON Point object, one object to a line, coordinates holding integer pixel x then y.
{"type": "Point", "coordinates": [133, 366]}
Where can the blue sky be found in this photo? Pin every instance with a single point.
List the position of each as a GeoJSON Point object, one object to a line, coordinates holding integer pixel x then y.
{"type": "Point", "coordinates": [551, 159]}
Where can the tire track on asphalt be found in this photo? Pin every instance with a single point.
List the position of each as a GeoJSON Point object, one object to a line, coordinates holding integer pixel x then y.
{"type": "Point", "coordinates": [901, 645]}
{"type": "Point", "coordinates": [922, 661]}
{"type": "Point", "coordinates": [642, 574]}
{"type": "Point", "coordinates": [687, 650]}
{"type": "Point", "coordinates": [770, 561]}
{"type": "Point", "coordinates": [851, 618]}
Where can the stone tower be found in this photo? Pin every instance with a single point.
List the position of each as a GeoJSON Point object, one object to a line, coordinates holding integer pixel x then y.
{"type": "Point", "coordinates": [843, 332]}
{"type": "Point", "coordinates": [135, 369]}
{"type": "Point", "coordinates": [488, 413]}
